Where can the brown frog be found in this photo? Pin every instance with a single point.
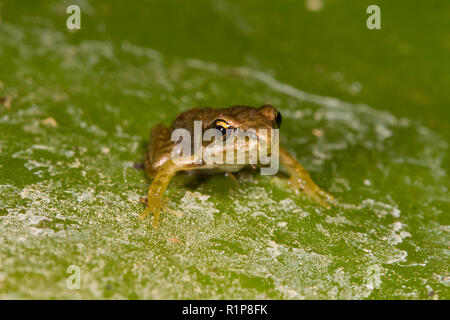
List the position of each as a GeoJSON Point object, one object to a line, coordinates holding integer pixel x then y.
{"type": "Point", "coordinates": [161, 165]}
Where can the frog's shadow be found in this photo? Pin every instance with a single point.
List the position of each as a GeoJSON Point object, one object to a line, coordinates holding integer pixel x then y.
{"type": "Point", "coordinates": [194, 181]}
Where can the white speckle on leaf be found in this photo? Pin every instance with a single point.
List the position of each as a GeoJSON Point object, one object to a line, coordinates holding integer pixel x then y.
{"type": "Point", "coordinates": [50, 122]}
{"type": "Point", "coordinates": [85, 196]}
{"type": "Point", "coordinates": [273, 248]}
{"type": "Point", "coordinates": [75, 164]}
{"type": "Point", "coordinates": [381, 209]}
{"type": "Point", "coordinates": [373, 276]}
{"type": "Point", "coordinates": [314, 5]}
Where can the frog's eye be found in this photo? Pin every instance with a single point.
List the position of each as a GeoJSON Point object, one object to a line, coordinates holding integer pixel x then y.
{"type": "Point", "coordinates": [278, 119]}
{"type": "Point", "coordinates": [222, 126]}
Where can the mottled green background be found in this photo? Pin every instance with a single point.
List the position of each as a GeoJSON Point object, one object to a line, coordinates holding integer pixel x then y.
{"type": "Point", "coordinates": [366, 112]}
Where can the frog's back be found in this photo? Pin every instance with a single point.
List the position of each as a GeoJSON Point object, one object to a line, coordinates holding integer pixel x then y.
{"type": "Point", "coordinates": [186, 119]}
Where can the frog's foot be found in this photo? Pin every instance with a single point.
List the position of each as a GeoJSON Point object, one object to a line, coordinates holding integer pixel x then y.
{"type": "Point", "coordinates": [155, 206]}
{"type": "Point", "coordinates": [311, 189]}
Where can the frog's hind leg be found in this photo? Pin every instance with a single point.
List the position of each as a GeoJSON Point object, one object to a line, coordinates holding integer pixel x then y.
{"type": "Point", "coordinates": [301, 180]}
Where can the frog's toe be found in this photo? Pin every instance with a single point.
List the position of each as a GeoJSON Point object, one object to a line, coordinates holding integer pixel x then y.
{"type": "Point", "coordinates": [167, 209]}
{"type": "Point", "coordinates": [145, 213]}
{"type": "Point", "coordinates": [323, 198]}
{"type": "Point", "coordinates": [312, 190]}
{"type": "Point", "coordinates": [296, 184]}
{"type": "Point", "coordinates": [154, 207]}
{"type": "Point", "coordinates": [327, 197]}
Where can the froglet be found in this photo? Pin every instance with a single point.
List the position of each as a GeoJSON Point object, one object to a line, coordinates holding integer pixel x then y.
{"type": "Point", "coordinates": [161, 166]}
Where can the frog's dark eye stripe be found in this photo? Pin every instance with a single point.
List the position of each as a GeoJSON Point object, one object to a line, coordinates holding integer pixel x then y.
{"type": "Point", "coordinates": [278, 119]}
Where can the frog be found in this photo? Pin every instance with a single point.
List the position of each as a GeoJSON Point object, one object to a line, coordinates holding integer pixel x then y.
{"type": "Point", "coordinates": [161, 166]}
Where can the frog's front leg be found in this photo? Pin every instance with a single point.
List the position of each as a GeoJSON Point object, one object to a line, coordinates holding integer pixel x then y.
{"type": "Point", "coordinates": [301, 180]}
{"type": "Point", "coordinates": [155, 201]}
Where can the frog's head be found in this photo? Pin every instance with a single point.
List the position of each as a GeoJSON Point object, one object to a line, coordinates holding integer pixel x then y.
{"type": "Point", "coordinates": [251, 130]}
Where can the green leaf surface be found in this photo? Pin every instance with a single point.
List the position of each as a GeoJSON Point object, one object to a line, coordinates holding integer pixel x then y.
{"type": "Point", "coordinates": [366, 112]}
